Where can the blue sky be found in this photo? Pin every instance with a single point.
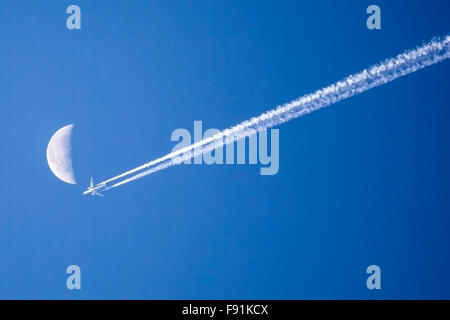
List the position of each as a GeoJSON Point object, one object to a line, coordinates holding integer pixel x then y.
{"type": "Point", "coordinates": [363, 182]}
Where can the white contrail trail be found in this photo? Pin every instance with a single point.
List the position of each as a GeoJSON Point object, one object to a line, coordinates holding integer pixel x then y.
{"type": "Point", "coordinates": [430, 53]}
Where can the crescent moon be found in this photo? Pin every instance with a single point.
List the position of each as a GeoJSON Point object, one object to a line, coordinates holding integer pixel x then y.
{"type": "Point", "coordinates": [59, 154]}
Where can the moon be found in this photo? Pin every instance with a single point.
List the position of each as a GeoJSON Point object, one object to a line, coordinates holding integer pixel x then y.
{"type": "Point", "coordinates": [59, 154]}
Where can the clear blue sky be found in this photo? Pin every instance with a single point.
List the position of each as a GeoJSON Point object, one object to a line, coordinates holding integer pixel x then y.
{"type": "Point", "coordinates": [363, 182]}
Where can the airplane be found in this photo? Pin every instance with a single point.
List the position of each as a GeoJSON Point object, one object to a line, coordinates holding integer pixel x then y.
{"type": "Point", "coordinates": [94, 190]}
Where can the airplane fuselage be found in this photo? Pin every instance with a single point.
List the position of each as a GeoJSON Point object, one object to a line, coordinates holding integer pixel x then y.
{"type": "Point", "coordinates": [94, 190]}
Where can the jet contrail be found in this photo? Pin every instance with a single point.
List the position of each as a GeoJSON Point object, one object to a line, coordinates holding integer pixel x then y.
{"type": "Point", "coordinates": [435, 51]}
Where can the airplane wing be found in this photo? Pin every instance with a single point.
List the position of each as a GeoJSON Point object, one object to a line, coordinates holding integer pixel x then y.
{"type": "Point", "coordinates": [99, 194]}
